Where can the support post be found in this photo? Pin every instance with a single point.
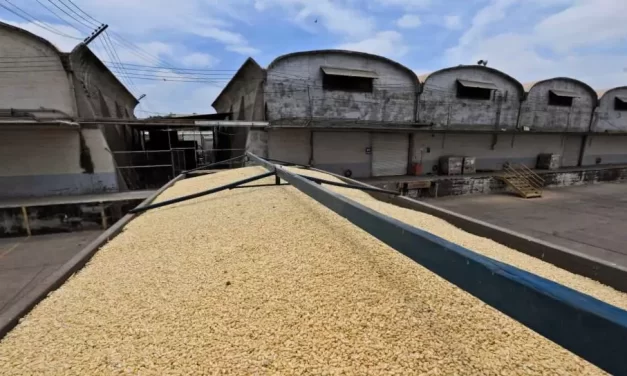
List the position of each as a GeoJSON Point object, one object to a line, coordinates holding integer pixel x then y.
{"type": "Point", "coordinates": [103, 216]}
{"type": "Point", "coordinates": [25, 220]}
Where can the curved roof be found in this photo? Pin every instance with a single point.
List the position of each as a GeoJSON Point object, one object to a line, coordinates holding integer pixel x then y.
{"type": "Point", "coordinates": [516, 83]}
{"type": "Point", "coordinates": [602, 93]}
{"type": "Point", "coordinates": [529, 85]}
{"type": "Point", "coordinates": [31, 35]}
{"type": "Point", "coordinates": [411, 73]}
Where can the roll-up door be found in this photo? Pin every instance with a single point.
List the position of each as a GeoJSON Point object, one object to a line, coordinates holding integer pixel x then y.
{"type": "Point", "coordinates": [389, 154]}
{"type": "Point", "coordinates": [343, 153]}
{"type": "Point", "coordinates": [290, 145]}
{"type": "Point", "coordinates": [570, 154]}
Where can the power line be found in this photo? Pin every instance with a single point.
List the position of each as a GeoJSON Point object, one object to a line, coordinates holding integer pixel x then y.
{"type": "Point", "coordinates": [90, 24]}
{"type": "Point", "coordinates": [30, 18]}
{"type": "Point", "coordinates": [57, 16]}
{"type": "Point", "coordinates": [85, 13]}
{"type": "Point", "coordinates": [181, 69]}
{"type": "Point", "coordinates": [89, 27]}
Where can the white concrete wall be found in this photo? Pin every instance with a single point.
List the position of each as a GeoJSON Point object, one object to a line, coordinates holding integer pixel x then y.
{"type": "Point", "coordinates": [610, 149]}
{"type": "Point", "coordinates": [45, 162]}
{"type": "Point", "coordinates": [438, 103]}
{"type": "Point", "coordinates": [294, 89]}
{"type": "Point", "coordinates": [607, 119]}
{"type": "Point", "coordinates": [24, 87]}
{"type": "Point", "coordinates": [428, 148]}
{"type": "Point", "coordinates": [537, 114]}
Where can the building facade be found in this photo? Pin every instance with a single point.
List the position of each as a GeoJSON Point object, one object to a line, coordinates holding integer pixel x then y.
{"type": "Point", "coordinates": [43, 150]}
{"type": "Point", "coordinates": [365, 116]}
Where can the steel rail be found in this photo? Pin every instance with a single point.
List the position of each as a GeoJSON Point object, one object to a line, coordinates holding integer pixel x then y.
{"type": "Point", "coordinates": [141, 209]}
{"type": "Point", "coordinates": [590, 328]}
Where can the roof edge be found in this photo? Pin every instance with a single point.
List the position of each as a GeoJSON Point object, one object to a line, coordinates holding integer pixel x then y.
{"type": "Point", "coordinates": [589, 88]}
{"type": "Point", "coordinates": [411, 73]}
{"type": "Point", "coordinates": [602, 93]}
{"type": "Point", "coordinates": [248, 61]}
{"type": "Point", "coordinates": [519, 86]}
{"type": "Point", "coordinates": [82, 47]}
{"type": "Point", "coordinates": [32, 35]}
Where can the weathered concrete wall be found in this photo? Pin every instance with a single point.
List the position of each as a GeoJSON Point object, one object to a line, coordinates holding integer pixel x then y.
{"type": "Point", "coordinates": [439, 106]}
{"type": "Point", "coordinates": [605, 149]}
{"type": "Point", "coordinates": [98, 93]}
{"type": "Point", "coordinates": [244, 97]}
{"type": "Point", "coordinates": [537, 114]}
{"type": "Point", "coordinates": [607, 118]}
{"type": "Point", "coordinates": [257, 143]}
{"type": "Point", "coordinates": [490, 153]}
{"type": "Point", "coordinates": [45, 162]}
{"type": "Point", "coordinates": [32, 74]}
{"type": "Point", "coordinates": [293, 88]}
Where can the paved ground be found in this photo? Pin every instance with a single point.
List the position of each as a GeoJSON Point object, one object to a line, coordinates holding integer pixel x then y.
{"type": "Point", "coordinates": [26, 262]}
{"type": "Point", "coordinates": [591, 219]}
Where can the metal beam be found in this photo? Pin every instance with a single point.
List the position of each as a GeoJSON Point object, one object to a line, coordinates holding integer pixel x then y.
{"type": "Point", "coordinates": [140, 209]}
{"type": "Point", "coordinates": [590, 328]}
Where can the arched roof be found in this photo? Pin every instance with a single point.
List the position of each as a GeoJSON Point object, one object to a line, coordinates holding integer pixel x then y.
{"type": "Point", "coordinates": [516, 83]}
{"type": "Point", "coordinates": [529, 85]}
{"type": "Point", "coordinates": [410, 72]}
{"type": "Point", "coordinates": [602, 93]}
{"type": "Point", "coordinates": [31, 35]}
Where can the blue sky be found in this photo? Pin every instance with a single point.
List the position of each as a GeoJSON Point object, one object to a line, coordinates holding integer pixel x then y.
{"type": "Point", "coordinates": [528, 39]}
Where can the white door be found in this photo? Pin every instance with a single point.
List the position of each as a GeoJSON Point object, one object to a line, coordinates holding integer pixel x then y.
{"type": "Point", "coordinates": [343, 153]}
{"type": "Point", "coordinates": [289, 145]}
{"type": "Point", "coordinates": [389, 154]}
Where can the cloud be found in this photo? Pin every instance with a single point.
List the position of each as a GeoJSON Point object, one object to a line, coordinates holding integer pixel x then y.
{"type": "Point", "coordinates": [337, 17]}
{"type": "Point", "coordinates": [198, 59]}
{"type": "Point", "coordinates": [408, 4]}
{"type": "Point", "coordinates": [453, 22]}
{"type": "Point", "coordinates": [386, 43]}
{"type": "Point", "coordinates": [243, 50]}
{"type": "Point", "coordinates": [409, 21]}
{"type": "Point", "coordinates": [565, 43]}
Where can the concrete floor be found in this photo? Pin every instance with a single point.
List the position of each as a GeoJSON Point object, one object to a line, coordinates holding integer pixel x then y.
{"type": "Point", "coordinates": [28, 261]}
{"type": "Point", "coordinates": [590, 219]}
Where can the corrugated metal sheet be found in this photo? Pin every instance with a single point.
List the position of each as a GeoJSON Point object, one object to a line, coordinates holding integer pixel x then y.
{"type": "Point", "coordinates": [341, 151]}
{"type": "Point", "coordinates": [478, 84]}
{"type": "Point", "coordinates": [291, 145]}
{"type": "Point", "coordinates": [570, 153]}
{"type": "Point", "coordinates": [565, 93]}
{"type": "Point", "coordinates": [389, 154]}
{"type": "Point", "coordinates": [333, 71]}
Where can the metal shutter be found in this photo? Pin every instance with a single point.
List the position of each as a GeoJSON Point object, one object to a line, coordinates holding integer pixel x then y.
{"type": "Point", "coordinates": [570, 154]}
{"type": "Point", "coordinates": [389, 154]}
{"type": "Point", "coordinates": [290, 145]}
{"type": "Point", "coordinates": [341, 151]}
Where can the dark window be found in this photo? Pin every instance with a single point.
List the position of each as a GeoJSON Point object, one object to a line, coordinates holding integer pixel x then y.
{"type": "Point", "coordinates": [347, 83]}
{"type": "Point", "coordinates": [467, 92]}
{"type": "Point", "coordinates": [620, 104]}
{"type": "Point", "coordinates": [560, 100]}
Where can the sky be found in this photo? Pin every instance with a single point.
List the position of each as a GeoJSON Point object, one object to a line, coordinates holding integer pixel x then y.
{"type": "Point", "coordinates": [193, 47]}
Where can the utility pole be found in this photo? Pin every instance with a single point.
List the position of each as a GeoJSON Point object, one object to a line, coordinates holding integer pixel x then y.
{"type": "Point", "coordinates": [95, 33]}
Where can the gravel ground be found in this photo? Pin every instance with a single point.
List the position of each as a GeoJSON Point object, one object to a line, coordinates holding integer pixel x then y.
{"type": "Point", "coordinates": [265, 281]}
{"type": "Point", "coordinates": [481, 245]}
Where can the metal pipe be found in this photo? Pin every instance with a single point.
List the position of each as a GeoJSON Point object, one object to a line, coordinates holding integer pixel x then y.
{"type": "Point", "coordinates": [199, 194]}
{"type": "Point", "coordinates": [349, 186]}
{"type": "Point", "coordinates": [214, 164]}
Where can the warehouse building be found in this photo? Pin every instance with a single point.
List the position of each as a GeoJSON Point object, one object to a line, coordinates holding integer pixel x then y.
{"type": "Point", "coordinates": [43, 150]}
{"type": "Point", "coordinates": [365, 116]}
